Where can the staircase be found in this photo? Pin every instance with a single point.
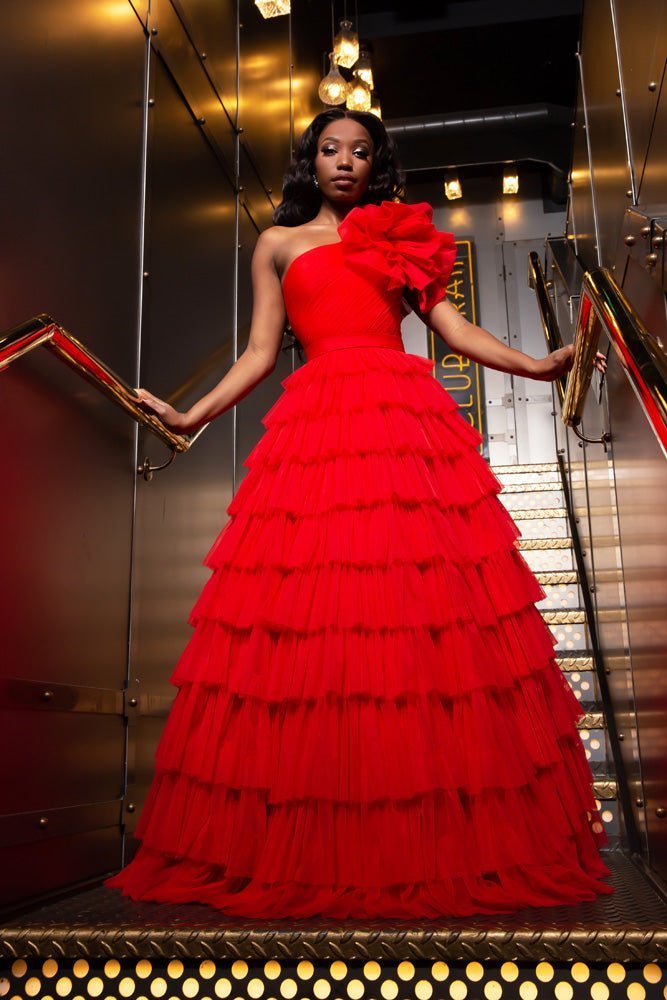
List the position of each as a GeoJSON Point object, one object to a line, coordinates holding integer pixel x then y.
{"type": "Point", "coordinates": [96, 944]}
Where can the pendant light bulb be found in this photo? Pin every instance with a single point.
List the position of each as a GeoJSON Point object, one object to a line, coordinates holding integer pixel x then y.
{"type": "Point", "coordinates": [453, 187]}
{"type": "Point", "coordinates": [346, 45]}
{"type": "Point", "coordinates": [375, 108]}
{"type": "Point", "coordinates": [511, 182]}
{"type": "Point", "coordinates": [273, 8]}
{"type": "Point", "coordinates": [359, 96]}
{"type": "Point", "coordinates": [333, 88]}
{"type": "Point", "coordinates": [362, 69]}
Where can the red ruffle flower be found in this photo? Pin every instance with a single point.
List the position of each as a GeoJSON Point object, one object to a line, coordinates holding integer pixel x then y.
{"type": "Point", "coordinates": [401, 242]}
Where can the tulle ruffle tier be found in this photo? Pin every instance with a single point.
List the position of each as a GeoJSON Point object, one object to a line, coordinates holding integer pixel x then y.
{"type": "Point", "coordinates": [370, 720]}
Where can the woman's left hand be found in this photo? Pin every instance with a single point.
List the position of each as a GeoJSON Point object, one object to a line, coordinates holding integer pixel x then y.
{"type": "Point", "coordinates": [560, 361]}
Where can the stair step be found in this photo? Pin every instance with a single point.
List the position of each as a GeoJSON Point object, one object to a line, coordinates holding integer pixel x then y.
{"type": "Point", "coordinates": [537, 513]}
{"type": "Point", "coordinates": [564, 616]}
{"type": "Point", "coordinates": [545, 487]}
{"type": "Point", "coordinates": [552, 579]}
{"type": "Point", "coordinates": [108, 935]}
{"type": "Point", "coordinates": [592, 720]}
{"type": "Point", "coordinates": [577, 663]}
{"type": "Point", "coordinates": [544, 543]}
{"type": "Point", "coordinates": [505, 470]}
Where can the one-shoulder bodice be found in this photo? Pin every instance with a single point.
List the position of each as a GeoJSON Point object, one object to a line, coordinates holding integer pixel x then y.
{"type": "Point", "coordinates": [348, 293]}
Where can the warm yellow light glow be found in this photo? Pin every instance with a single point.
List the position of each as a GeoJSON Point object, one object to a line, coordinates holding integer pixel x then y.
{"type": "Point", "coordinates": [453, 188]}
{"type": "Point", "coordinates": [375, 108]}
{"type": "Point", "coordinates": [333, 88]}
{"type": "Point", "coordinates": [510, 182]}
{"type": "Point", "coordinates": [346, 45]}
{"type": "Point", "coordinates": [362, 69]}
{"type": "Point", "coordinates": [273, 8]}
{"type": "Point", "coordinates": [359, 97]}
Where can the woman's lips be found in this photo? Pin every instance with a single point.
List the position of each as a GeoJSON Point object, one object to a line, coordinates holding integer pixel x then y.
{"type": "Point", "coordinates": [344, 181]}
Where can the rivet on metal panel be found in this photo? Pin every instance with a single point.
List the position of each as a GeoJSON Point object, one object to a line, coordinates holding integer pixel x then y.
{"type": "Point", "coordinates": [628, 193]}
{"type": "Point", "coordinates": [646, 230]}
{"type": "Point", "coordinates": [203, 55]}
{"type": "Point", "coordinates": [153, 31]}
{"type": "Point", "coordinates": [661, 812]}
{"type": "Point", "coordinates": [130, 807]}
{"type": "Point", "coordinates": [651, 258]}
{"type": "Point", "coordinates": [629, 241]}
{"type": "Point", "coordinates": [43, 821]}
{"type": "Point", "coordinates": [621, 736]}
{"type": "Point", "coordinates": [133, 702]}
{"type": "Point", "coordinates": [201, 121]}
{"type": "Point", "coordinates": [47, 695]}
{"type": "Point", "coordinates": [147, 274]}
{"type": "Point", "coordinates": [652, 85]}
{"type": "Point", "coordinates": [657, 241]}
{"type": "Point", "coordinates": [151, 102]}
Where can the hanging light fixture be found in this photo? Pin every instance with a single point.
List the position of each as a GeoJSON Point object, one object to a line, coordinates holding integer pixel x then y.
{"type": "Point", "coordinates": [333, 88]}
{"type": "Point", "coordinates": [273, 8]}
{"type": "Point", "coordinates": [362, 68]}
{"type": "Point", "coordinates": [453, 187]}
{"type": "Point", "coordinates": [375, 108]}
{"type": "Point", "coordinates": [346, 45]}
{"type": "Point", "coordinates": [359, 96]}
{"type": "Point", "coordinates": [510, 182]}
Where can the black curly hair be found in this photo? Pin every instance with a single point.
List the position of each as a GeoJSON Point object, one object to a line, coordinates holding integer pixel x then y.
{"type": "Point", "coordinates": [301, 199]}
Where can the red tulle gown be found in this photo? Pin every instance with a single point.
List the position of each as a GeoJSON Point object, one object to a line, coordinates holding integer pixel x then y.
{"type": "Point", "coordinates": [370, 721]}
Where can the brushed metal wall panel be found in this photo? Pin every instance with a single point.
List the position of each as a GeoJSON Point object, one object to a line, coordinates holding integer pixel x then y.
{"type": "Point", "coordinates": [641, 486]}
{"type": "Point", "coordinates": [73, 78]}
{"type": "Point", "coordinates": [264, 95]}
{"type": "Point", "coordinates": [170, 38]}
{"type": "Point", "coordinates": [65, 759]}
{"type": "Point", "coordinates": [213, 29]}
{"type": "Point", "coordinates": [187, 346]}
{"type": "Point", "coordinates": [582, 215]}
{"type": "Point", "coordinates": [606, 129]}
{"type": "Point", "coordinates": [642, 41]}
{"type": "Point", "coordinates": [653, 189]}
{"type": "Point", "coordinates": [32, 869]}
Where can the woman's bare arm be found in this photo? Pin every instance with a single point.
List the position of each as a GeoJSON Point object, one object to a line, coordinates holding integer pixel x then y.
{"type": "Point", "coordinates": [476, 343]}
{"type": "Point", "coordinates": [257, 360]}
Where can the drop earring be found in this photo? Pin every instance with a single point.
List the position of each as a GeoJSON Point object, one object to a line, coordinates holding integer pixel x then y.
{"type": "Point", "coordinates": [315, 181]}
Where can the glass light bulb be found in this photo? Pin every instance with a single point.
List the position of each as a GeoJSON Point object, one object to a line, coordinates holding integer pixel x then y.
{"type": "Point", "coordinates": [346, 45]}
{"type": "Point", "coordinates": [333, 88]}
{"type": "Point", "coordinates": [359, 97]}
{"type": "Point", "coordinates": [453, 188]}
{"type": "Point", "coordinates": [510, 182]}
{"type": "Point", "coordinates": [362, 69]}
{"type": "Point", "coordinates": [273, 8]}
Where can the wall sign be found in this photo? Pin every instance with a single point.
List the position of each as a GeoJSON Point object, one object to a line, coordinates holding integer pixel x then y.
{"type": "Point", "coordinates": [462, 378]}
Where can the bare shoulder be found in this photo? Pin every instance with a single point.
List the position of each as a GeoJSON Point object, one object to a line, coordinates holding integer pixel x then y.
{"type": "Point", "coordinates": [279, 244]}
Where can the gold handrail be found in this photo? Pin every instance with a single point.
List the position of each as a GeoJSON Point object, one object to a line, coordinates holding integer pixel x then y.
{"type": "Point", "coordinates": [43, 330]}
{"type": "Point", "coordinates": [603, 304]}
{"type": "Point", "coordinates": [552, 333]}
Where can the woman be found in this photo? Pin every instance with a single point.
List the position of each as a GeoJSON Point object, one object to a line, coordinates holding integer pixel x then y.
{"type": "Point", "coordinates": [370, 720]}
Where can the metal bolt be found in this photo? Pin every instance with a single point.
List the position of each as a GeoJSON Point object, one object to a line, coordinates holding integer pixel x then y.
{"type": "Point", "coordinates": [629, 241]}
{"type": "Point", "coordinates": [203, 55]}
{"type": "Point", "coordinates": [628, 193]}
{"type": "Point", "coordinates": [147, 274]}
{"type": "Point", "coordinates": [651, 258]}
{"type": "Point", "coordinates": [639, 802]}
{"type": "Point", "coordinates": [153, 31]}
{"type": "Point", "coordinates": [202, 120]}
{"type": "Point", "coordinates": [133, 702]}
{"type": "Point", "coordinates": [130, 807]}
{"type": "Point", "coordinates": [657, 241]}
{"type": "Point", "coordinates": [592, 588]}
{"type": "Point", "coordinates": [618, 91]}
{"type": "Point", "coordinates": [652, 85]}
{"type": "Point", "coordinates": [151, 102]}
{"type": "Point", "coordinates": [47, 695]}
{"type": "Point", "coordinates": [43, 821]}
{"type": "Point", "coordinates": [646, 230]}
{"type": "Point", "coordinates": [661, 812]}
{"type": "Point", "coordinates": [621, 736]}
{"type": "Point", "coordinates": [240, 129]}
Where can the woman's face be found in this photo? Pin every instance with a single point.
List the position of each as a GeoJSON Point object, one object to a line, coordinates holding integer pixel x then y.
{"type": "Point", "coordinates": [343, 161]}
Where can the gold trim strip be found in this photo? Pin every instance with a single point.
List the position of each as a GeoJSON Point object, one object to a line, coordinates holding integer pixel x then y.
{"type": "Point", "coordinates": [43, 330]}
{"type": "Point", "coordinates": [538, 283]}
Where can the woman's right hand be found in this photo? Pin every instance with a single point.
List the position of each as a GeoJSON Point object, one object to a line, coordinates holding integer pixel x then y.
{"type": "Point", "coordinates": [173, 419]}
